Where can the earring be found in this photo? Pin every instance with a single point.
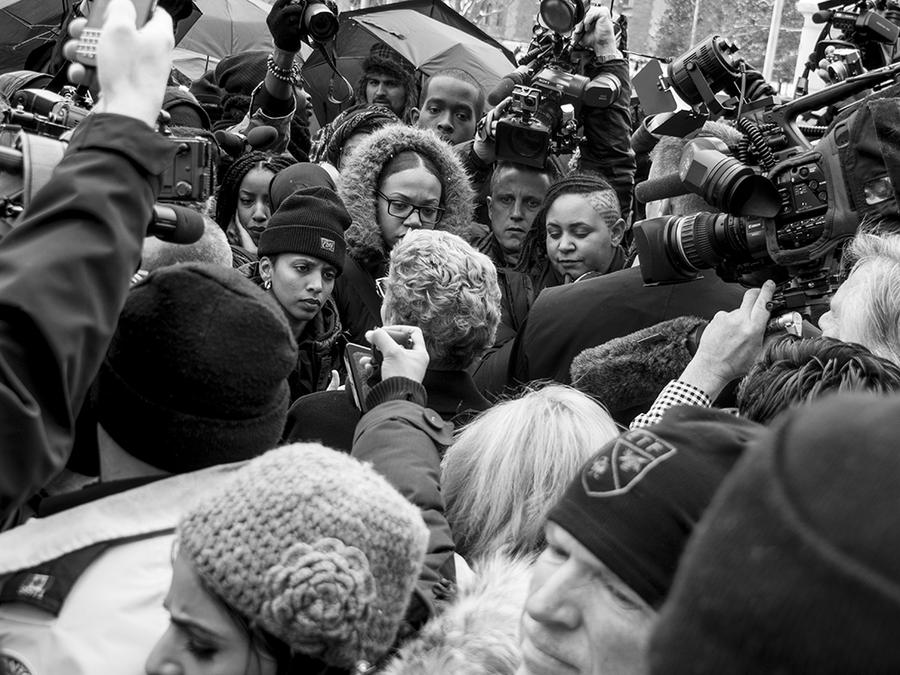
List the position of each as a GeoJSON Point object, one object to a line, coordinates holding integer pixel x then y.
{"type": "Point", "coordinates": [267, 284]}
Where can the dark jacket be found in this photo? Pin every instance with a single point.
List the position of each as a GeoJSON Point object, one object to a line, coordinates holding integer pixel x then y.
{"type": "Point", "coordinates": [403, 441]}
{"type": "Point", "coordinates": [568, 319]}
{"type": "Point", "coordinates": [64, 275]}
{"type": "Point", "coordinates": [606, 148]}
{"type": "Point", "coordinates": [357, 299]}
{"type": "Point", "coordinates": [329, 417]}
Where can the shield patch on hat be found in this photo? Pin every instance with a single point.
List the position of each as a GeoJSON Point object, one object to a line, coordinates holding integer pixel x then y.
{"type": "Point", "coordinates": [327, 244]}
{"type": "Point", "coordinates": [619, 468]}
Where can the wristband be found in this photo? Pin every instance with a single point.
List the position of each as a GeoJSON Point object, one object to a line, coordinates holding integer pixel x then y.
{"type": "Point", "coordinates": [290, 75]}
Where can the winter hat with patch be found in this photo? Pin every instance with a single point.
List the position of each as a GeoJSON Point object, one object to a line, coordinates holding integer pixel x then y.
{"type": "Point", "coordinates": [634, 504]}
{"type": "Point", "coordinates": [310, 221]}
{"type": "Point", "coordinates": [196, 373]}
{"type": "Point", "coordinates": [313, 546]}
{"type": "Point", "coordinates": [795, 567]}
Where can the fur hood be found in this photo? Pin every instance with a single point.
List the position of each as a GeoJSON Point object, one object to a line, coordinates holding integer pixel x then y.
{"type": "Point", "coordinates": [478, 633]}
{"type": "Point", "coordinates": [359, 180]}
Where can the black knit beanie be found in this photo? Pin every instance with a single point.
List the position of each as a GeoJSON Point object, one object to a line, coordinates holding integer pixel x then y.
{"type": "Point", "coordinates": [310, 221]}
{"type": "Point", "coordinates": [196, 373]}
{"type": "Point", "coordinates": [240, 73]}
{"type": "Point", "coordinates": [795, 568]}
{"type": "Point", "coordinates": [635, 503]}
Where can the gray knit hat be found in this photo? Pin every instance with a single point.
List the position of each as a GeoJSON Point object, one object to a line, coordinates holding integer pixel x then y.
{"type": "Point", "coordinates": [313, 546]}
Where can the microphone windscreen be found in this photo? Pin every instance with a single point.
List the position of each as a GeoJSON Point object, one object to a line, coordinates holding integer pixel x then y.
{"type": "Point", "coordinates": [660, 188]}
{"type": "Point", "coordinates": [822, 16]}
{"type": "Point", "coordinates": [261, 138]}
{"type": "Point", "coordinates": [231, 143]}
{"type": "Point", "coordinates": [627, 373]}
{"type": "Point", "coordinates": [175, 224]}
{"type": "Point", "coordinates": [503, 89]}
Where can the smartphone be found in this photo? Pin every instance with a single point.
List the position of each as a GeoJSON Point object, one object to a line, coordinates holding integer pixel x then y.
{"type": "Point", "coordinates": [86, 52]}
{"type": "Point", "coordinates": [357, 379]}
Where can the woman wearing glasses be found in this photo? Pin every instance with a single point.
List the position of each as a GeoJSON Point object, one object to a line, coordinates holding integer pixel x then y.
{"type": "Point", "coordinates": [398, 179]}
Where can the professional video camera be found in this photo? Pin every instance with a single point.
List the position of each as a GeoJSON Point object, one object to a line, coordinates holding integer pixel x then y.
{"type": "Point", "coordinates": [548, 90]}
{"type": "Point", "coordinates": [868, 36]}
{"type": "Point", "coordinates": [27, 160]}
{"type": "Point", "coordinates": [788, 205]}
{"type": "Point", "coordinates": [190, 178]}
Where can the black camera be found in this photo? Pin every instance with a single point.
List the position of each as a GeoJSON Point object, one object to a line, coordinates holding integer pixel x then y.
{"type": "Point", "coordinates": [547, 90]}
{"type": "Point", "coordinates": [45, 112]}
{"type": "Point", "coordinates": [320, 19]}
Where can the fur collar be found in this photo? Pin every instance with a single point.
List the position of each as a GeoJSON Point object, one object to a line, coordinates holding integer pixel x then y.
{"type": "Point", "coordinates": [478, 633]}
{"type": "Point", "coordinates": [359, 180]}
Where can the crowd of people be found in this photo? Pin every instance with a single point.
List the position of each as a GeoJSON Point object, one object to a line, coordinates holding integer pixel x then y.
{"type": "Point", "coordinates": [403, 407]}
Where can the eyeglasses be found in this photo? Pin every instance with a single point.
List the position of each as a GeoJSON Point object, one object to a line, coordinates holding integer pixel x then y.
{"type": "Point", "coordinates": [399, 208]}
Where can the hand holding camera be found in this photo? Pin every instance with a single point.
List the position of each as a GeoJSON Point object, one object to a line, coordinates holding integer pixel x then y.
{"type": "Point", "coordinates": [285, 22]}
{"type": "Point", "coordinates": [596, 32]}
{"type": "Point", "coordinates": [485, 132]}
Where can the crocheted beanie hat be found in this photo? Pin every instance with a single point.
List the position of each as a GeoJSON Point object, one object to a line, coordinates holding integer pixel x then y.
{"type": "Point", "coordinates": [313, 546]}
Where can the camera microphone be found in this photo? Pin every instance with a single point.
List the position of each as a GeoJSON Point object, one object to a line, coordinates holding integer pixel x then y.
{"type": "Point", "coordinates": [822, 16]}
{"type": "Point", "coordinates": [660, 188]}
{"type": "Point", "coordinates": [509, 82]}
{"type": "Point", "coordinates": [175, 224]}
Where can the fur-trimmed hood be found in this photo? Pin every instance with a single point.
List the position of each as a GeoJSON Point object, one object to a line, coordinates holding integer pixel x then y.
{"type": "Point", "coordinates": [359, 180]}
{"type": "Point", "coordinates": [478, 633]}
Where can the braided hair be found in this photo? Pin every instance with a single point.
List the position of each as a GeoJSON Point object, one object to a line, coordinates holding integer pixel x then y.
{"type": "Point", "coordinates": [230, 185]}
{"type": "Point", "coordinates": [533, 258]}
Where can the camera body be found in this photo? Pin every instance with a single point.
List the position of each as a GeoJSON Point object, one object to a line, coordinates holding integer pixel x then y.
{"type": "Point", "coordinates": [45, 112]}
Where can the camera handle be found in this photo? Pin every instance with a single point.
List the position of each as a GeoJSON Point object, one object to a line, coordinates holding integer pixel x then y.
{"type": "Point", "coordinates": [786, 115]}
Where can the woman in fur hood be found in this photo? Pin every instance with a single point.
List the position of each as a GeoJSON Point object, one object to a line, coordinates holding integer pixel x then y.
{"type": "Point", "coordinates": [399, 178]}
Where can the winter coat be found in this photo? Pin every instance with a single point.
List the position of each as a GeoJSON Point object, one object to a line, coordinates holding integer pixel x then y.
{"type": "Point", "coordinates": [359, 180]}
{"type": "Point", "coordinates": [66, 271]}
{"type": "Point", "coordinates": [82, 589]}
{"type": "Point", "coordinates": [568, 319]}
{"type": "Point", "coordinates": [477, 633]}
{"type": "Point", "coordinates": [320, 349]}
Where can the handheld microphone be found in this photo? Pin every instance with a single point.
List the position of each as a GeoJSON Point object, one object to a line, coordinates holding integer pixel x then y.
{"type": "Point", "coordinates": [660, 188]}
{"type": "Point", "coordinates": [175, 224]}
{"type": "Point", "coordinates": [258, 138]}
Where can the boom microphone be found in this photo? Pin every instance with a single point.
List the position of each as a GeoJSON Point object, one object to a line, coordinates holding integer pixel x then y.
{"type": "Point", "coordinates": [175, 224]}
{"type": "Point", "coordinates": [507, 83]}
{"type": "Point", "coordinates": [660, 188]}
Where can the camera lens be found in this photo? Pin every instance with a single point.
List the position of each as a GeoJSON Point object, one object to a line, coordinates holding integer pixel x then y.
{"type": "Point", "coordinates": [320, 22]}
{"type": "Point", "coordinates": [561, 15]}
{"type": "Point", "coordinates": [714, 59]}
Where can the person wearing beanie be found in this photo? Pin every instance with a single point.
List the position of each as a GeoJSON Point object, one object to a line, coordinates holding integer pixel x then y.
{"type": "Point", "coordinates": [195, 377]}
{"type": "Point", "coordinates": [792, 569]}
{"type": "Point", "coordinates": [336, 555]}
{"type": "Point", "coordinates": [301, 254]}
{"type": "Point", "coordinates": [398, 179]}
{"type": "Point", "coordinates": [388, 80]}
{"type": "Point", "coordinates": [614, 540]}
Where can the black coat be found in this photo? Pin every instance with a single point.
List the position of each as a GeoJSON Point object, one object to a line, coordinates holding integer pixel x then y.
{"type": "Point", "coordinates": [64, 276]}
{"type": "Point", "coordinates": [329, 417]}
{"type": "Point", "coordinates": [565, 320]}
{"type": "Point", "coordinates": [357, 300]}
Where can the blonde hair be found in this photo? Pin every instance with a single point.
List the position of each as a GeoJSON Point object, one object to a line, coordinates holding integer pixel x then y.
{"type": "Point", "coordinates": [879, 253]}
{"type": "Point", "coordinates": [441, 284]}
{"type": "Point", "coordinates": [509, 467]}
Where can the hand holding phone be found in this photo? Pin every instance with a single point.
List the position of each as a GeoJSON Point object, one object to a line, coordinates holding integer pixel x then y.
{"type": "Point", "coordinates": [132, 64]}
{"type": "Point", "coordinates": [403, 352]}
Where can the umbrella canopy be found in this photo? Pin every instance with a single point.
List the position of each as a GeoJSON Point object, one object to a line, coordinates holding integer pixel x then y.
{"type": "Point", "coordinates": [227, 27]}
{"type": "Point", "coordinates": [26, 25]}
{"type": "Point", "coordinates": [430, 45]}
